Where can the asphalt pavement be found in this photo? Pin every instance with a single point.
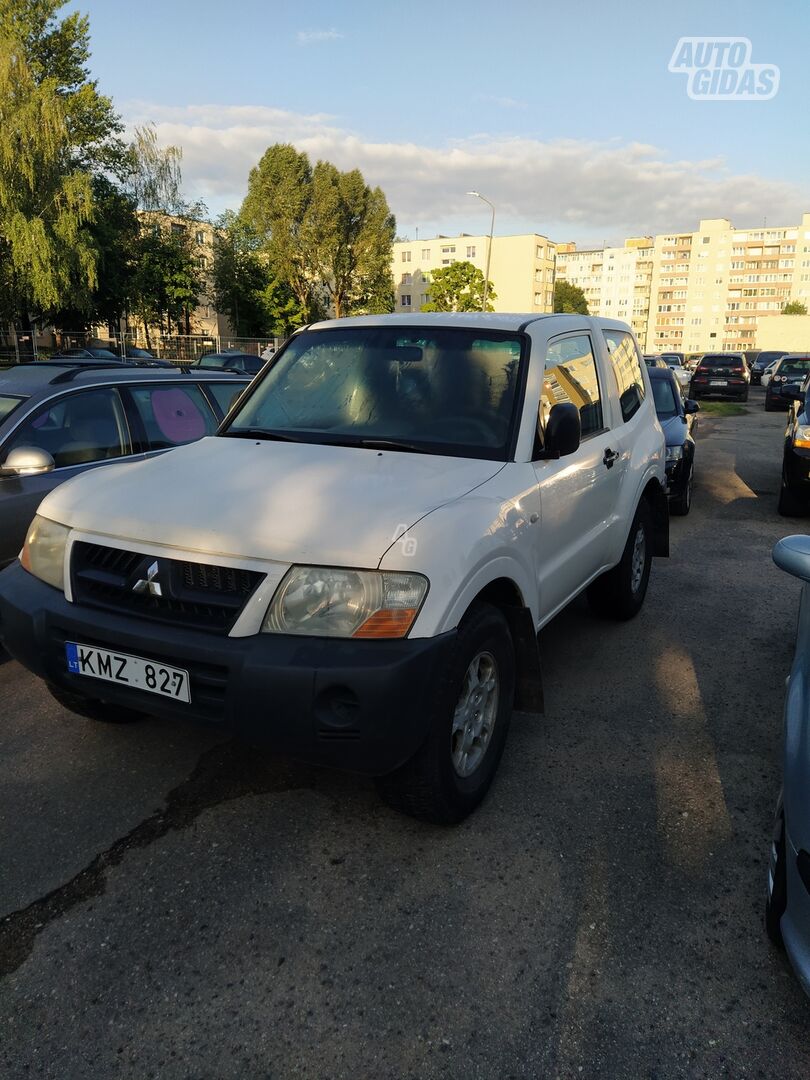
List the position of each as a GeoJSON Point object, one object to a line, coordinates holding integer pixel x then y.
{"type": "Point", "coordinates": [177, 906]}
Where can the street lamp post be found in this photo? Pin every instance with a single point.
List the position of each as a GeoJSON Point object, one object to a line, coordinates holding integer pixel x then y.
{"type": "Point", "coordinates": [483, 198]}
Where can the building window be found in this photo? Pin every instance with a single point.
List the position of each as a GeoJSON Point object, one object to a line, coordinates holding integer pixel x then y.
{"type": "Point", "coordinates": [406, 300]}
{"type": "Point", "coordinates": [449, 250]}
{"type": "Point", "coordinates": [406, 256]}
{"type": "Point", "coordinates": [540, 251]}
{"type": "Point", "coordinates": [426, 253]}
{"type": "Point", "coordinates": [538, 299]}
{"type": "Point", "coordinates": [199, 237]}
{"type": "Point", "coordinates": [177, 228]}
{"type": "Point", "coordinates": [470, 252]}
{"type": "Point", "coordinates": [424, 298]}
{"type": "Point", "coordinates": [406, 279]}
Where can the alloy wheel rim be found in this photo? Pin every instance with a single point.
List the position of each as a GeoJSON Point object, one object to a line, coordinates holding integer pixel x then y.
{"type": "Point", "coordinates": [475, 714]}
{"type": "Point", "coordinates": [638, 560]}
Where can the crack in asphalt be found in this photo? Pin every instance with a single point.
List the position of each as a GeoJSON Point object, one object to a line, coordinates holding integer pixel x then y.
{"type": "Point", "coordinates": [228, 771]}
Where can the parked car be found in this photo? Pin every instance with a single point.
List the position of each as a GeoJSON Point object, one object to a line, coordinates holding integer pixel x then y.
{"type": "Point", "coordinates": [682, 373]}
{"type": "Point", "coordinates": [723, 375]}
{"type": "Point", "coordinates": [677, 418]}
{"type": "Point", "coordinates": [57, 421]}
{"type": "Point", "coordinates": [655, 362]}
{"type": "Point", "coordinates": [679, 356]}
{"type": "Point", "coordinates": [791, 369]}
{"type": "Point", "coordinates": [355, 569]}
{"type": "Point", "coordinates": [768, 373]}
{"type": "Point", "coordinates": [231, 360]}
{"type": "Point", "coordinates": [763, 361]}
{"type": "Point", "coordinates": [84, 354]}
{"type": "Point", "coordinates": [787, 906]}
{"type": "Point", "coordinates": [794, 488]}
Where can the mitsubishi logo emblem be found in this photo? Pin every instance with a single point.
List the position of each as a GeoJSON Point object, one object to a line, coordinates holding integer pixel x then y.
{"type": "Point", "coordinates": [149, 584]}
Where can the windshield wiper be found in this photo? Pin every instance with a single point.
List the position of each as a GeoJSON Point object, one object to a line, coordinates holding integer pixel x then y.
{"type": "Point", "coordinates": [261, 433]}
{"type": "Point", "coordinates": [393, 444]}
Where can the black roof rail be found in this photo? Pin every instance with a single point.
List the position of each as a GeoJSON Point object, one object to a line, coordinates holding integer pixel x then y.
{"type": "Point", "coordinates": [70, 373]}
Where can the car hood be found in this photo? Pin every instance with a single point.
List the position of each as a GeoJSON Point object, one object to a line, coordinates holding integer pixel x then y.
{"type": "Point", "coordinates": [675, 431]}
{"type": "Point", "coordinates": [294, 502]}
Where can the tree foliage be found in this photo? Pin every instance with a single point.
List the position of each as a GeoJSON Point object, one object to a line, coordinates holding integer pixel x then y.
{"type": "Point", "coordinates": [166, 281]}
{"type": "Point", "coordinates": [458, 287]}
{"type": "Point", "coordinates": [326, 233]}
{"type": "Point", "coordinates": [47, 256]}
{"type": "Point", "coordinates": [794, 307]}
{"type": "Point", "coordinates": [569, 299]}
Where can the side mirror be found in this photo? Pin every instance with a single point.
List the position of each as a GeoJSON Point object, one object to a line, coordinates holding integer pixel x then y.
{"type": "Point", "coordinates": [792, 554]}
{"type": "Point", "coordinates": [27, 461]}
{"type": "Point", "coordinates": [691, 406]}
{"type": "Point", "coordinates": [563, 432]}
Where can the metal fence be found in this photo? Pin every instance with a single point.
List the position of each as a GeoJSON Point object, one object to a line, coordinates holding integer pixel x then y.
{"type": "Point", "coordinates": [181, 348]}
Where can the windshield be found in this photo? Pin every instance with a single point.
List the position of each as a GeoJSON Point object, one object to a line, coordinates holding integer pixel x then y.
{"type": "Point", "coordinates": [797, 366]}
{"type": "Point", "coordinates": [8, 404]}
{"type": "Point", "coordinates": [766, 358]}
{"type": "Point", "coordinates": [732, 360]}
{"type": "Point", "coordinates": [438, 389]}
{"type": "Point", "coordinates": [664, 396]}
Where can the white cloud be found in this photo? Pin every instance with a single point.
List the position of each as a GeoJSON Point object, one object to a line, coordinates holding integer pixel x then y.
{"type": "Point", "coordinates": [586, 190]}
{"type": "Point", "coordinates": [312, 37]}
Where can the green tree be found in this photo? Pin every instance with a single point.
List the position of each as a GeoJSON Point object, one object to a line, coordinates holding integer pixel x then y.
{"type": "Point", "coordinates": [240, 276]}
{"type": "Point", "coordinates": [282, 309]}
{"type": "Point", "coordinates": [458, 287]}
{"type": "Point", "coordinates": [569, 299]}
{"type": "Point", "coordinates": [326, 234]}
{"type": "Point", "coordinates": [47, 256]}
{"type": "Point", "coordinates": [166, 282]}
{"type": "Point", "coordinates": [794, 307]}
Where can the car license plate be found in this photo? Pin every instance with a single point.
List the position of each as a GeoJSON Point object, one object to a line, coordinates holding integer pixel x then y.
{"type": "Point", "coordinates": [127, 670]}
{"type": "Point", "coordinates": [718, 382]}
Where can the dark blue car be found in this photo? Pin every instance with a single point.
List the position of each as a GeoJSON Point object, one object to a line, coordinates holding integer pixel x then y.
{"type": "Point", "coordinates": [677, 417]}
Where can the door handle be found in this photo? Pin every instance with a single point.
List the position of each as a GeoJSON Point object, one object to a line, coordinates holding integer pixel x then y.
{"type": "Point", "coordinates": [610, 457]}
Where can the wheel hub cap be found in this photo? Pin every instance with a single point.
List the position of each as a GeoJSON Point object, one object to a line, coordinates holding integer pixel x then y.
{"type": "Point", "coordinates": [639, 559]}
{"type": "Point", "coordinates": [475, 714]}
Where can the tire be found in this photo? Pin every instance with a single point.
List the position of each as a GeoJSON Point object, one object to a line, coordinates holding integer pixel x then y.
{"type": "Point", "coordinates": [683, 503]}
{"type": "Point", "coordinates": [776, 896]}
{"type": "Point", "coordinates": [619, 593]}
{"type": "Point", "coordinates": [768, 406]}
{"type": "Point", "coordinates": [789, 504]}
{"type": "Point", "coordinates": [745, 396]}
{"type": "Point", "coordinates": [95, 709]}
{"type": "Point", "coordinates": [434, 785]}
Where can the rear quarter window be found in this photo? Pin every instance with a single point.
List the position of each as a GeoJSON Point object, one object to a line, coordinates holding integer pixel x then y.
{"type": "Point", "coordinates": [624, 360]}
{"type": "Point", "coordinates": [173, 415]}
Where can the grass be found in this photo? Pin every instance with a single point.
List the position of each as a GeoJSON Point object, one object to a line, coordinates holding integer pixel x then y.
{"type": "Point", "coordinates": [722, 408]}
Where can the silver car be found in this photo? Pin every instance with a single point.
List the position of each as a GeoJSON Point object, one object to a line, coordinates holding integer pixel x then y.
{"type": "Point", "coordinates": [56, 420]}
{"type": "Point", "coordinates": [787, 909]}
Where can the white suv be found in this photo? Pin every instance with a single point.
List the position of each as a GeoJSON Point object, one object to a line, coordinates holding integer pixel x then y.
{"type": "Point", "coordinates": [354, 569]}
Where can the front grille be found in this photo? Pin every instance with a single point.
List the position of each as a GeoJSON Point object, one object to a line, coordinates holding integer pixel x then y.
{"type": "Point", "coordinates": [172, 591]}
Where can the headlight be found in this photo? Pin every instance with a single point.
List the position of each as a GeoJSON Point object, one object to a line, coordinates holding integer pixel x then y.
{"type": "Point", "coordinates": [43, 553]}
{"type": "Point", "coordinates": [674, 453]}
{"type": "Point", "coordinates": [802, 437]}
{"type": "Point", "coordinates": [330, 602]}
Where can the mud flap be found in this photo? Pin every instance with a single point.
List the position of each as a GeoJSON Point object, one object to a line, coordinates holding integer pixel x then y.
{"type": "Point", "coordinates": [528, 675]}
{"type": "Point", "coordinates": [659, 504]}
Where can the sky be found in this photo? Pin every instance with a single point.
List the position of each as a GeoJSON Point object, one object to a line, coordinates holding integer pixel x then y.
{"type": "Point", "coordinates": [565, 115]}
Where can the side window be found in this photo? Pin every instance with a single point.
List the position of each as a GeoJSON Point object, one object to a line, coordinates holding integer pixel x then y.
{"type": "Point", "coordinates": [77, 429]}
{"type": "Point", "coordinates": [173, 415]}
{"type": "Point", "coordinates": [570, 376]}
{"type": "Point", "coordinates": [627, 369]}
{"type": "Point", "coordinates": [225, 394]}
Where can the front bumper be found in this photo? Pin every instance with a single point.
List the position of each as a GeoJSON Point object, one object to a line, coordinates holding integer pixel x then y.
{"type": "Point", "coordinates": [364, 706]}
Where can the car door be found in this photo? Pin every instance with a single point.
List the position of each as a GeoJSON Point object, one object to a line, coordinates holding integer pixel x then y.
{"type": "Point", "coordinates": [577, 492]}
{"type": "Point", "coordinates": [80, 430]}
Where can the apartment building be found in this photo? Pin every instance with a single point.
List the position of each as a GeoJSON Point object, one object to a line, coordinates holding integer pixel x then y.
{"type": "Point", "coordinates": [521, 269]}
{"type": "Point", "coordinates": [616, 280]}
{"type": "Point", "coordinates": [712, 289]}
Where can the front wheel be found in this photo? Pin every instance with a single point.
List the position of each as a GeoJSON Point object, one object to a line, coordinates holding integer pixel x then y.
{"type": "Point", "coordinates": [776, 898]}
{"type": "Point", "coordinates": [789, 504]}
{"type": "Point", "coordinates": [472, 705]}
{"type": "Point", "coordinates": [682, 504]}
{"type": "Point", "coordinates": [620, 592]}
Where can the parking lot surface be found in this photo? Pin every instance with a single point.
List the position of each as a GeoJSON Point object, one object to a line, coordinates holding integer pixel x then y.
{"type": "Point", "coordinates": [178, 906]}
